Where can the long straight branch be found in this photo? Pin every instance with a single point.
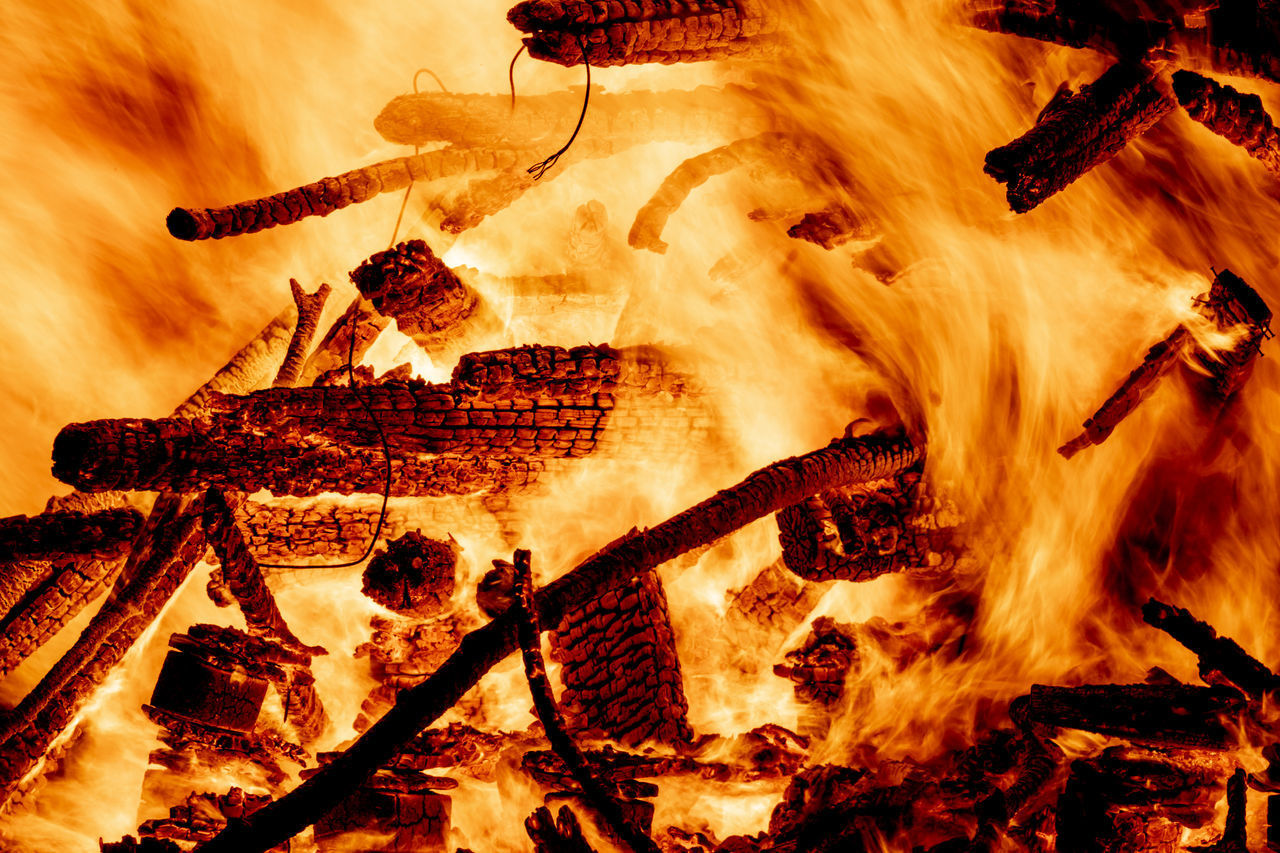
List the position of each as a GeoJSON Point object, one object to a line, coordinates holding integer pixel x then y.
{"type": "Point", "coordinates": [844, 462]}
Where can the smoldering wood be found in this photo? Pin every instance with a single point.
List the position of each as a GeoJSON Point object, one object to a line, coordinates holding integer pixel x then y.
{"type": "Point", "coordinates": [105, 534]}
{"type": "Point", "coordinates": [403, 653]}
{"type": "Point", "coordinates": [428, 301]}
{"type": "Point", "coordinates": [330, 194]}
{"type": "Point", "coordinates": [1216, 654]}
{"type": "Point", "coordinates": [309, 307]}
{"type": "Point", "coordinates": [1162, 715]}
{"type": "Point", "coordinates": [600, 791]}
{"type": "Point", "coordinates": [627, 34]}
{"type": "Point", "coordinates": [556, 405]}
{"type": "Point", "coordinates": [634, 118]}
{"type": "Point", "coordinates": [1077, 131]}
{"type": "Point", "coordinates": [414, 575]}
{"type": "Point", "coordinates": [619, 667]}
{"type": "Point", "coordinates": [781, 484]}
{"type": "Point", "coordinates": [651, 219]}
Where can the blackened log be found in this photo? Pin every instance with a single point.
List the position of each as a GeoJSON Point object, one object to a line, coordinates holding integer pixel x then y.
{"type": "Point", "coordinates": [414, 575]}
{"type": "Point", "coordinates": [599, 791]}
{"type": "Point", "coordinates": [330, 529]}
{"type": "Point", "coordinates": [1217, 654]}
{"type": "Point", "coordinates": [329, 194]}
{"type": "Point", "coordinates": [310, 305]}
{"type": "Point", "coordinates": [626, 34]}
{"type": "Point", "coordinates": [1077, 131]}
{"type": "Point", "coordinates": [1139, 384]}
{"type": "Point", "coordinates": [1093, 24]}
{"type": "Point", "coordinates": [1157, 714]}
{"type": "Point", "coordinates": [841, 463]}
{"type": "Point", "coordinates": [55, 535]}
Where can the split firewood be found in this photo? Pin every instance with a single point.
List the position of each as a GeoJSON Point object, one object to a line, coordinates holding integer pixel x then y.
{"type": "Point", "coordinates": [1162, 715]}
{"type": "Point", "coordinates": [309, 308]}
{"type": "Point", "coordinates": [1219, 656]}
{"type": "Point", "coordinates": [542, 402]}
{"type": "Point", "coordinates": [1077, 131]}
{"type": "Point", "coordinates": [599, 791]}
{"type": "Point", "coordinates": [625, 118]}
{"type": "Point", "coordinates": [782, 484]}
{"type": "Point", "coordinates": [619, 667]}
{"type": "Point", "coordinates": [627, 34]}
{"type": "Point", "coordinates": [833, 226]}
{"type": "Point", "coordinates": [52, 535]}
{"type": "Point", "coordinates": [427, 300]}
{"type": "Point", "coordinates": [1232, 305]}
{"type": "Point", "coordinates": [646, 230]}
{"type": "Point", "coordinates": [414, 575]}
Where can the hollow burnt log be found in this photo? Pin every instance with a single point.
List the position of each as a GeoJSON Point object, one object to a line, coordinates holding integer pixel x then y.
{"type": "Point", "coordinates": [1077, 131]}
{"type": "Point", "coordinates": [784, 483]}
{"type": "Point", "coordinates": [631, 33]}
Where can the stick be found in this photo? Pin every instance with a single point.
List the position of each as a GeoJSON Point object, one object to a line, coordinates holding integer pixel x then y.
{"type": "Point", "coordinates": [309, 308]}
{"type": "Point", "coordinates": [843, 462]}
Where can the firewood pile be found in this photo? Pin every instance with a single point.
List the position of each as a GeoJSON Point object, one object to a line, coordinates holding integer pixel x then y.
{"type": "Point", "coordinates": [494, 675]}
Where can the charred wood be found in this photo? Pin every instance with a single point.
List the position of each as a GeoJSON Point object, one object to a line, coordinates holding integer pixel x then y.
{"type": "Point", "coordinates": [410, 821]}
{"type": "Point", "coordinates": [1234, 830]}
{"type": "Point", "coordinates": [336, 531]}
{"type": "Point", "coordinates": [414, 575]}
{"type": "Point", "coordinates": [1231, 305]}
{"type": "Point", "coordinates": [782, 484]}
{"type": "Point", "coordinates": [1157, 714]}
{"type": "Point", "coordinates": [600, 792]}
{"type": "Point", "coordinates": [1092, 23]}
{"type": "Point", "coordinates": [329, 194]}
{"type": "Point", "coordinates": [348, 339]}
{"type": "Point", "coordinates": [105, 534]}
{"type": "Point", "coordinates": [1234, 115]}
{"type": "Point", "coordinates": [833, 226]}
{"type": "Point", "coordinates": [402, 654]}
{"type": "Point", "coordinates": [626, 34]}
{"type": "Point", "coordinates": [562, 834]}
{"type": "Point", "coordinates": [619, 666]}
{"type": "Point", "coordinates": [651, 220]}
{"type": "Point", "coordinates": [1219, 656]}
{"type": "Point", "coordinates": [819, 667]}
{"type": "Point", "coordinates": [202, 815]}
{"type": "Point", "coordinates": [310, 305]}
{"type": "Point", "coordinates": [1077, 131]}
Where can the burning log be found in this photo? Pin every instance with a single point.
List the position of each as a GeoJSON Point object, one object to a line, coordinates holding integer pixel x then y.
{"type": "Point", "coordinates": [1077, 131]}
{"type": "Point", "coordinates": [174, 543]}
{"type": "Point", "coordinates": [779, 485]}
{"type": "Point", "coordinates": [773, 604]}
{"type": "Point", "coordinates": [413, 821]}
{"type": "Point", "coordinates": [1162, 715]}
{"type": "Point", "coordinates": [329, 194]}
{"type": "Point", "coordinates": [557, 405]}
{"type": "Point", "coordinates": [862, 533]}
{"type": "Point", "coordinates": [1219, 656]}
{"type": "Point", "coordinates": [201, 816]}
{"type": "Point", "coordinates": [833, 226]}
{"type": "Point", "coordinates": [275, 532]}
{"type": "Point", "coordinates": [620, 670]}
{"type": "Point", "coordinates": [625, 118]}
{"type": "Point", "coordinates": [309, 308]}
{"type": "Point", "coordinates": [562, 834]}
{"type": "Point", "coordinates": [348, 339]}
{"type": "Point", "coordinates": [646, 230]}
{"type": "Point", "coordinates": [1091, 24]}
{"type": "Point", "coordinates": [630, 33]}
{"type": "Point", "coordinates": [599, 791]}
{"type": "Point", "coordinates": [414, 576]}
{"type": "Point", "coordinates": [242, 575]}
{"type": "Point", "coordinates": [1232, 305]}
{"type": "Point", "coordinates": [58, 535]}
{"type": "Point", "coordinates": [426, 298]}
{"type": "Point", "coordinates": [1238, 117]}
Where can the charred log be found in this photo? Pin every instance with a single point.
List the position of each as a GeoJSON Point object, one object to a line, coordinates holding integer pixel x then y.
{"type": "Point", "coordinates": [620, 670]}
{"type": "Point", "coordinates": [782, 484]}
{"type": "Point", "coordinates": [57, 535]}
{"type": "Point", "coordinates": [426, 298]}
{"type": "Point", "coordinates": [1093, 24]}
{"type": "Point", "coordinates": [626, 34]}
{"type": "Point", "coordinates": [348, 339]}
{"type": "Point", "coordinates": [414, 576]}
{"type": "Point", "coordinates": [1162, 715]}
{"type": "Point", "coordinates": [1219, 656]}
{"type": "Point", "coordinates": [335, 531]}
{"type": "Point", "coordinates": [818, 670]}
{"type": "Point", "coordinates": [1077, 131]}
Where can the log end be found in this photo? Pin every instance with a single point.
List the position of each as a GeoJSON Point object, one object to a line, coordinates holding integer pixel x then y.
{"type": "Point", "coordinates": [183, 224]}
{"type": "Point", "coordinates": [74, 452]}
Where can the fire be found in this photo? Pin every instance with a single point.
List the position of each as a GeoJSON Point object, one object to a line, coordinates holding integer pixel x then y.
{"type": "Point", "coordinates": [928, 322]}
